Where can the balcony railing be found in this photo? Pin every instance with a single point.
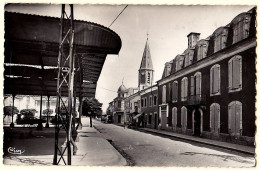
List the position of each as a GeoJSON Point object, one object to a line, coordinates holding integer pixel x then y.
{"type": "Point", "coordinates": [118, 109]}
{"type": "Point", "coordinates": [195, 100]}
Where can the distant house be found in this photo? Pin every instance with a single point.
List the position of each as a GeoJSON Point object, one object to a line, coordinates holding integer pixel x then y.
{"type": "Point", "coordinates": [127, 106]}
{"type": "Point", "coordinates": [149, 107]}
{"type": "Point", "coordinates": [32, 102]}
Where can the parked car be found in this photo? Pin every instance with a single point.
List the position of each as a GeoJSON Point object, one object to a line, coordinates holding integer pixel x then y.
{"type": "Point", "coordinates": [103, 118]}
{"type": "Point", "coordinates": [109, 119]}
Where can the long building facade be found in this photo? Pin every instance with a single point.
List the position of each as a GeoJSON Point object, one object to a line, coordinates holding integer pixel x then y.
{"type": "Point", "coordinates": [207, 91]}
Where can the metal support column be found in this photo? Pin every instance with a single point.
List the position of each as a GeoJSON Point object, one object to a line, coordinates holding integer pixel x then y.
{"type": "Point", "coordinates": [12, 123]}
{"type": "Point", "coordinates": [65, 80]}
{"type": "Point", "coordinates": [79, 126]}
{"type": "Point", "coordinates": [39, 127]}
{"type": "Point", "coordinates": [48, 112]}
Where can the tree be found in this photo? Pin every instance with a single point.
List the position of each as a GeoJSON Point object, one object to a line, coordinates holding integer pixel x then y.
{"type": "Point", "coordinates": [91, 107]}
{"type": "Point", "coordinates": [47, 112]}
{"type": "Point", "coordinates": [8, 111]}
{"type": "Point", "coordinates": [28, 113]}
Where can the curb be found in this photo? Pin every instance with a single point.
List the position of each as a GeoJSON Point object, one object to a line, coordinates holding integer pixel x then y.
{"type": "Point", "coordinates": [188, 139]}
{"type": "Point", "coordinates": [201, 142]}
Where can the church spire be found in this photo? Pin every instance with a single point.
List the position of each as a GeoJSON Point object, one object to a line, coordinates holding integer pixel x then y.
{"type": "Point", "coordinates": [146, 59]}
{"type": "Point", "coordinates": [146, 68]}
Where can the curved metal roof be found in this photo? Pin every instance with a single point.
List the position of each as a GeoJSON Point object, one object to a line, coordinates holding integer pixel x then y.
{"type": "Point", "coordinates": [34, 40]}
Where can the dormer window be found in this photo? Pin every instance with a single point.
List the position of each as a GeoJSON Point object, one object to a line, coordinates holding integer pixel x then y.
{"type": "Point", "coordinates": [241, 28]}
{"type": "Point", "coordinates": [188, 58]}
{"type": "Point", "coordinates": [220, 39]}
{"type": "Point", "coordinates": [202, 50]}
{"type": "Point", "coordinates": [167, 69]}
{"type": "Point", "coordinates": [179, 62]}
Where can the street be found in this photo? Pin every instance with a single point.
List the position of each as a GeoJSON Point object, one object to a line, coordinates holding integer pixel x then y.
{"type": "Point", "coordinates": [150, 150]}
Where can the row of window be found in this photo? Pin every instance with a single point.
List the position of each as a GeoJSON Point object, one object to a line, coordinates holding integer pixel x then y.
{"type": "Point", "coordinates": [240, 32]}
{"type": "Point", "coordinates": [152, 101]}
{"type": "Point", "coordinates": [234, 81]}
{"type": "Point", "coordinates": [234, 118]}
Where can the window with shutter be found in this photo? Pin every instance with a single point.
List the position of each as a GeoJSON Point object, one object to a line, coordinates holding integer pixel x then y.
{"type": "Point", "coordinates": [241, 28]}
{"type": "Point", "coordinates": [230, 74]}
{"type": "Point", "coordinates": [198, 79]}
{"type": "Point", "coordinates": [164, 94]}
{"type": "Point", "coordinates": [182, 117]}
{"type": "Point", "coordinates": [235, 73]}
{"type": "Point", "coordinates": [215, 80]}
{"type": "Point", "coordinates": [170, 91]}
{"type": "Point", "coordinates": [177, 64]}
{"type": "Point", "coordinates": [186, 88]}
{"type": "Point", "coordinates": [174, 117]}
{"type": "Point", "coordinates": [211, 80]}
{"type": "Point", "coordinates": [217, 43]}
{"type": "Point", "coordinates": [192, 86]}
{"type": "Point", "coordinates": [211, 123]}
{"type": "Point", "coordinates": [185, 118]}
{"type": "Point", "coordinates": [174, 91]}
{"type": "Point", "coordinates": [232, 117]}
{"type": "Point", "coordinates": [238, 118]}
{"type": "Point", "coordinates": [235, 117]}
{"type": "Point", "coordinates": [218, 78]}
{"type": "Point", "coordinates": [182, 89]}
{"type": "Point", "coordinates": [181, 62]}
{"type": "Point", "coordinates": [217, 117]}
{"type": "Point", "coordinates": [191, 57]}
{"type": "Point", "coordinates": [199, 53]}
{"type": "Point", "coordinates": [186, 60]}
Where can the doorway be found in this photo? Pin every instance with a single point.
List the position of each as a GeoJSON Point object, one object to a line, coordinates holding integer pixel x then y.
{"type": "Point", "coordinates": [164, 119]}
{"type": "Point", "coordinates": [155, 121]}
{"type": "Point", "coordinates": [197, 123]}
{"type": "Point", "coordinates": [119, 118]}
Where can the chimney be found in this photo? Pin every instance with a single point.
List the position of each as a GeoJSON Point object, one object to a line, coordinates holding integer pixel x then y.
{"type": "Point", "coordinates": [193, 38]}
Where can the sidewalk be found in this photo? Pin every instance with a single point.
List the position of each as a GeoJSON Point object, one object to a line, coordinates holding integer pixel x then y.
{"type": "Point", "coordinates": [93, 150]}
{"type": "Point", "coordinates": [224, 145]}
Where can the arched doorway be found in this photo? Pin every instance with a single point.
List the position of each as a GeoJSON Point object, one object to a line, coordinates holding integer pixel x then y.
{"type": "Point", "coordinates": [197, 115]}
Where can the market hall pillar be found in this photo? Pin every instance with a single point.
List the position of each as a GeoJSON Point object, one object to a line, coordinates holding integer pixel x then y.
{"type": "Point", "coordinates": [48, 112]}
{"type": "Point", "coordinates": [12, 123]}
{"type": "Point", "coordinates": [39, 127]}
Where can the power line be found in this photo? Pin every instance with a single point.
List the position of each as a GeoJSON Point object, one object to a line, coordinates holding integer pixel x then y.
{"type": "Point", "coordinates": [118, 16]}
{"type": "Point", "coordinates": [107, 89]}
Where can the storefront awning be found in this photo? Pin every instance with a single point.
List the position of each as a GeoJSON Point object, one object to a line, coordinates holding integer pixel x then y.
{"type": "Point", "coordinates": [137, 116]}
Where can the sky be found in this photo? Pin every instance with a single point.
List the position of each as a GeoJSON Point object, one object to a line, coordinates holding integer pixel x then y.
{"type": "Point", "coordinates": [167, 26]}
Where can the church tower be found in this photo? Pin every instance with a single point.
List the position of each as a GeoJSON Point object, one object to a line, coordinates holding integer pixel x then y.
{"type": "Point", "coordinates": [146, 69]}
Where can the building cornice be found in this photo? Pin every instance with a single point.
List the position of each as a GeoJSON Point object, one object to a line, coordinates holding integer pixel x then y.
{"type": "Point", "coordinates": [216, 57]}
{"type": "Point", "coordinates": [149, 89]}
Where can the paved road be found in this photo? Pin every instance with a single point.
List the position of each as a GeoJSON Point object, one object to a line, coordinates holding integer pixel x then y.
{"type": "Point", "coordinates": [149, 150]}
